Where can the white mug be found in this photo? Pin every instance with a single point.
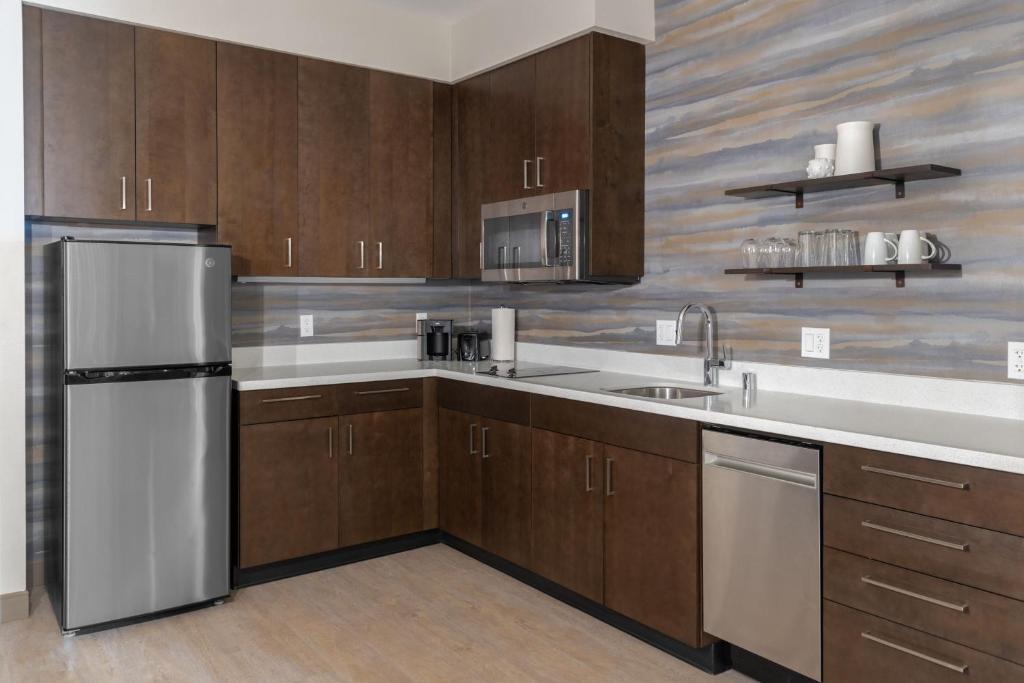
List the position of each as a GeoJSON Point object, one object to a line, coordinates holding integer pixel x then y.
{"type": "Point", "coordinates": [855, 147]}
{"type": "Point", "coordinates": [910, 247]}
{"type": "Point", "coordinates": [876, 249]}
{"type": "Point", "coordinates": [825, 152]}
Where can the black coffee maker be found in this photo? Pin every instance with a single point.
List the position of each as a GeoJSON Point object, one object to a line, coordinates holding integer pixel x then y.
{"type": "Point", "coordinates": [436, 340]}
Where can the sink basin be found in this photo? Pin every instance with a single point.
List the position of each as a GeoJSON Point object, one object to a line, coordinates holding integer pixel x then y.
{"type": "Point", "coordinates": [664, 393]}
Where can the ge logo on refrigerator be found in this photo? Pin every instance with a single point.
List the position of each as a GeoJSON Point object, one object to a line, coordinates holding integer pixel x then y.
{"type": "Point", "coordinates": [210, 263]}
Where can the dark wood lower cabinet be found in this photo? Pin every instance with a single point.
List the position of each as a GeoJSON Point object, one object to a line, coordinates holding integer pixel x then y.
{"type": "Point", "coordinates": [461, 493]}
{"type": "Point", "coordinates": [652, 542]}
{"type": "Point", "coordinates": [287, 490]}
{"type": "Point", "coordinates": [505, 500]}
{"type": "Point", "coordinates": [568, 525]}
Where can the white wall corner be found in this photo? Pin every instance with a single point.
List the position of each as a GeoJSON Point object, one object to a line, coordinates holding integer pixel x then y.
{"type": "Point", "coordinates": [631, 19]}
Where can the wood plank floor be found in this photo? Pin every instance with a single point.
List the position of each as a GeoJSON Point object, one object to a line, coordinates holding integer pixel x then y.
{"type": "Point", "coordinates": [431, 614]}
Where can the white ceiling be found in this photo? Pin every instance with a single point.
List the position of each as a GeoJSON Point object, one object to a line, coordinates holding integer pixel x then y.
{"type": "Point", "coordinates": [447, 11]}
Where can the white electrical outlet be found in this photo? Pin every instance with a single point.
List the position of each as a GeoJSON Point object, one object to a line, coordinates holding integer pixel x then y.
{"type": "Point", "coordinates": [666, 332]}
{"type": "Point", "coordinates": [1015, 360]}
{"type": "Point", "coordinates": [306, 325]}
{"type": "Point", "coordinates": [814, 342]}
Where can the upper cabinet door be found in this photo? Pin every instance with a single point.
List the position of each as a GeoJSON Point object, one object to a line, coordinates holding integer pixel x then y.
{"type": "Point", "coordinates": [510, 158]}
{"type": "Point", "coordinates": [563, 119]}
{"type": "Point", "coordinates": [473, 143]}
{"type": "Point", "coordinates": [257, 159]}
{"type": "Point", "coordinates": [88, 117]}
{"type": "Point", "coordinates": [334, 169]}
{"type": "Point", "coordinates": [401, 176]}
{"type": "Point", "coordinates": [175, 128]}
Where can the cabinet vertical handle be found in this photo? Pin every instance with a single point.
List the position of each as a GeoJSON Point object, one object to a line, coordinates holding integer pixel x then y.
{"type": "Point", "coordinates": [288, 252]}
{"type": "Point", "coordinates": [380, 256]}
{"type": "Point", "coordinates": [526, 174]}
{"type": "Point", "coordinates": [330, 442]}
{"type": "Point", "coordinates": [362, 255]}
{"type": "Point", "coordinates": [539, 183]}
{"type": "Point", "coordinates": [588, 474]}
{"type": "Point", "coordinates": [609, 490]}
{"type": "Point", "coordinates": [149, 194]}
{"type": "Point", "coordinates": [483, 442]}
{"type": "Point", "coordinates": [124, 193]}
{"type": "Point", "coordinates": [350, 438]}
{"type": "Point", "coordinates": [481, 255]}
{"type": "Point", "coordinates": [472, 428]}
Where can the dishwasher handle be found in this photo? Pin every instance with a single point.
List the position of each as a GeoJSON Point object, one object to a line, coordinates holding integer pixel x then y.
{"type": "Point", "coordinates": [783, 474]}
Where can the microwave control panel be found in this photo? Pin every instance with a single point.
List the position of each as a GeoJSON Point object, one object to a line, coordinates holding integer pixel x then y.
{"type": "Point", "coordinates": [565, 236]}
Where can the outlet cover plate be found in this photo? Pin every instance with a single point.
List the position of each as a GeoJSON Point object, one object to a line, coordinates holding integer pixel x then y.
{"type": "Point", "coordinates": [814, 342]}
{"type": "Point", "coordinates": [306, 325]}
{"type": "Point", "coordinates": [666, 332]}
{"type": "Point", "coordinates": [1015, 360]}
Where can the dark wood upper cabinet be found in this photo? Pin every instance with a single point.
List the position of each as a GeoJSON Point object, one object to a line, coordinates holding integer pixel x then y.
{"type": "Point", "coordinates": [401, 175]}
{"type": "Point", "coordinates": [563, 118]}
{"type": "Point", "coordinates": [287, 490]}
{"type": "Point", "coordinates": [508, 165]}
{"type": "Point", "coordinates": [442, 228]}
{"type": "Point", "coordinates": [175, 128]}
{"type": "Point", "coordinates": [32, 75]}
{"type": "Point", "coordinates": [473, 140]}
{"type": "Point", "coordinates": [652, 542]}
{"type": "Point", "coordinates": [257, 159]}
{"type": "Point", "coordinates": [88, 81]}
{"type": "Point", "coordinates": [459, 456]}
{"type": "Point", "coordinates": [334, 169]}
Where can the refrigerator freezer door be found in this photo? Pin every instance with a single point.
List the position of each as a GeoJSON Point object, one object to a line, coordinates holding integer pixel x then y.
{"type": "Point", "coordinates": [139, 305]}
{"type": "Point", "coordinates": [146, 497]}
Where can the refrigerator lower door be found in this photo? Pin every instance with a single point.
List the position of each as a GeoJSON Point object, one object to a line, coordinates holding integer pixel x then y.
{"type": "Point", "coordinates": [146, 305]}
{"type": "Point", "coordinates": [146, 512]}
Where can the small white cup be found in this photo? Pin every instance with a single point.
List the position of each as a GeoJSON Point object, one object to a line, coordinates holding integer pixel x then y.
{"type": "Point", "coordinates": [825, 152]}
{"type": "Point", "coordinates": [909, 250]}
{"type": "Point", "coordinates": [876, 249]}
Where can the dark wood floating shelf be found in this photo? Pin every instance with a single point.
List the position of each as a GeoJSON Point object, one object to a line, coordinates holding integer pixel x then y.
{"type": "Point", "coordinates": [900, 270]}
{"type": "Point", "coordinates": [894, 176]}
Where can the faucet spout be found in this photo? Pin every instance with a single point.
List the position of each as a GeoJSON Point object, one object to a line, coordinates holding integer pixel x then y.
{"type": "Point", "coordinates": [711, 363]}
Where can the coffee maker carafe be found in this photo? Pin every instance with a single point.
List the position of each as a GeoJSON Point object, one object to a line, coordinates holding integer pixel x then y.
{"type": "Point", "coordinates": [435, 340]}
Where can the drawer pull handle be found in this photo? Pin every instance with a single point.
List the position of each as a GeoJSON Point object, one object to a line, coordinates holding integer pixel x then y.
{"type": "Point", "coordinates": [956, 607]}
{"type": "Point", "coordinates": [370, 392]}
{"type": "Point", "coordinates": [917, 537]}
{"type": "Point", "coordinates": [284, 399]}
{"type": "Point", "coordinates": [952, 666]}
{"type": "Point", "coordinates": [963, 486]}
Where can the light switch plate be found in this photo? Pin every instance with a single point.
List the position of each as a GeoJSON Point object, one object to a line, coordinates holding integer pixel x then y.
{"type": "Point", "coordinates": [306, 325]}
{"type": "Point", "coordinates": [1015, 360]}
{"type": "Point", "coordinates": [666, 332]}
{"type": "Point", "coordinates": [814, 342]}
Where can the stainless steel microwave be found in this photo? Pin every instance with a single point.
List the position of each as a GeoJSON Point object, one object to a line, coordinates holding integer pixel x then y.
{"type": "Point", "coordinates": [537, 239]}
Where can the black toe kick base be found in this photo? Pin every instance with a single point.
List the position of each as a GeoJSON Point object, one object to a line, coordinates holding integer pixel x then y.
{"type": "Point", "coordinates": [713, 659]}
{"type": "Point", "coordinates": [763, 670]}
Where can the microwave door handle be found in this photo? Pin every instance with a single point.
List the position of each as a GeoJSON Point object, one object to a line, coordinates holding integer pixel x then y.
{"type": "Point", "coordinates": [547, 245]}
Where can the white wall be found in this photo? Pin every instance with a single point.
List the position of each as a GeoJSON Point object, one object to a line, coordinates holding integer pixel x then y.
{"type": "Point", "coordinates": [12, 305]}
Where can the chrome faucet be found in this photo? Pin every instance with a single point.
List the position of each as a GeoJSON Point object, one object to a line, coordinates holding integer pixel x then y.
{"type": "Point", "coordinates": [711, 363]}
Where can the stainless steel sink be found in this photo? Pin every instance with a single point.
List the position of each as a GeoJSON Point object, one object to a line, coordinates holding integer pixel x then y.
{"type": "Point", "coordinates": [664, 393]}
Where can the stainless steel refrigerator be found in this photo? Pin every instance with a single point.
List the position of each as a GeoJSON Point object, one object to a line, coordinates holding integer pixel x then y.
{"type": "Point", "coordinates": [141, 357]}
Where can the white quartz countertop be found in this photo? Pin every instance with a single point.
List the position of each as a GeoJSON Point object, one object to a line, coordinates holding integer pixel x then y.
{"type": "Point", "coordinates": [993, 443]}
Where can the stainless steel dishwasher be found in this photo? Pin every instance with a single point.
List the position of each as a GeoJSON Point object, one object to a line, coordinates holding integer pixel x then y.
{"type": "Point", "coordinates": [761, 502]}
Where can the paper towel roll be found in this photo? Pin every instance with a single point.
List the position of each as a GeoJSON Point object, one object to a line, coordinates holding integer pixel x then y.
{"type": "Point", "coordinates": [503, 333]}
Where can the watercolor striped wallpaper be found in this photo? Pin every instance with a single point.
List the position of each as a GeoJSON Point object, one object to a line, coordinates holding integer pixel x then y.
{"type": "Point", "coordinates": [737, 94]}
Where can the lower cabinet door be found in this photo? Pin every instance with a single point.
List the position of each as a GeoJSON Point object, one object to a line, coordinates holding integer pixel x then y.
{"type": "Point", "coordinates": [568, 524]}
{"type": "Point", "coordinates": [380, 475]}
{"type": "Point", "coordinates": [652, 542]}
{"type": "Point", "coordinates": [505, 454]}
{"type": "Point", "coordinates": [287, 490]}
{"type": "Point", "coordinates": [459, 455]}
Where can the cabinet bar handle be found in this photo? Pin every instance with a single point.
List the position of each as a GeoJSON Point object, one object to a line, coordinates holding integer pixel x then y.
{"type": "Point", "coordinates": [288, 252]}
{"type": "Point", "coordinates": [472, 428]}
{"type": "Point", "coordinates": [351, 438]}
{"type": "Point", "coordinates": [956, 607]}
{"type": "Point", "coordinates": [124, 193]}
{"type": "Point", "coordinates": [483, 442]}
{"type": "Point", "coordinates": [526, 174]}
{"type": "Point", "coordinates": [481, 256]}
{"type": "Point", "coordinates": [539, 183]}
{"type": "Point", "coordinates": [609, 490]}
{"type": "Point", "coordinates": [917, 537]}
{"type": "Point", "coordinates": [362, 255]}
{"type": "Point", "coordinates": [588, 475]}
{"type": "Point", "coordinates": [916, 477]}
{"type": "Point", "coordinates": [370, 392]}
{"type": "Point", "coordinates": [380, 256]}
{"type": "Point", "coordinates": [330, 442]}
{"type": "Point", "coordinates": [307, 397]}
{"type": "Point", "coordinates": [952, 666]}
{"type": "Point", "coordinates": [149, 194]}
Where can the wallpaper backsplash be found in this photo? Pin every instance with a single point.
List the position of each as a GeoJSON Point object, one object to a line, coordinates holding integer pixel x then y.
{"type": "Point", "coordinates": [737, 94]}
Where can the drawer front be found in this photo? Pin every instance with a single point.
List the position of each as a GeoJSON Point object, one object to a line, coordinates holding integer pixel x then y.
{"type": "Point", "coordinates": [671, 437]}
{"type": "Point", "coordinates": [859, 647]}
{"type": "Point", "coordinates": [971, 495]}
{"type": "Point", "coordinates": [979, 619]}
{"type": "Point", "coordinates": [975, 557]}
{"type": "Point", "coordinates": [486, 401]}
{"type": "Point", "coordinates": [372, 397]}
{"type": "Point", "coordinates": [279, 405]}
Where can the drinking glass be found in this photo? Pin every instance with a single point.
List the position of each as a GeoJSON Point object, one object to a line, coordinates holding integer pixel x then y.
{"type": "Point", "coordinates": [808, 253]}
{"type": "Point", "coordinates": [770, 253]}
{"type": "Point", "coordinates": [831, 257]}
{"type": "Point", "coordinates": [749, 249]}
{"type": "Point", "coordinates": [847, 253]}
{"type": "Point", "coordinates": [789, 250]}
